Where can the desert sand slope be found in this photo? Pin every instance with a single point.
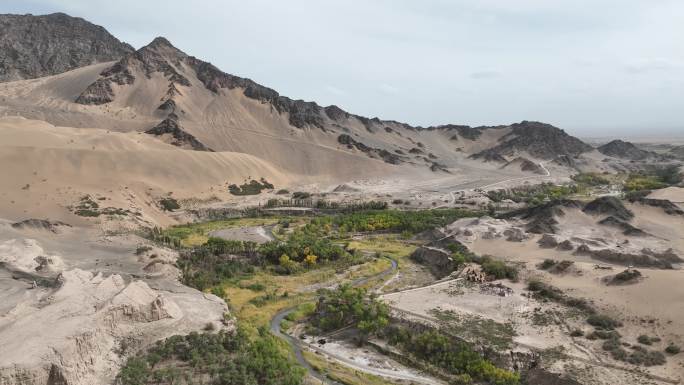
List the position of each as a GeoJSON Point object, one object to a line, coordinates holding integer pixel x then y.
{"type": "Point", "coordinates": [47, 168]}
{"type": "Point", "coordinates": [673, 194]}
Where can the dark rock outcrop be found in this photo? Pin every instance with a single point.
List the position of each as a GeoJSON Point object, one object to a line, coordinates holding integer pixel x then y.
{"type": "Point", "coordinates": [525, 165]}
{"type": "Point", "coordinates": [40, 224]}
{"type": "Point", "coordinates": [36, 46]}
{"type": "Point", "coordinates": [627, 229]}
{"type": "Point", "coordinates": [336, 113]}
{"type": "Point", "coordinates": [667, 206]}
{"type": "Point", "coordinates": [625, 150]}
{"type": "Point", "coordinates": [178, 137]}
{"type": "Point", "coordinates": [542, 219]}
{"type": "Point", "coordinates": [437, 260]}
{"type": "Point", "coordinates": [565, 161]}
{"type": "Point", "coordinates": [611, 206]}
{"type": "Point", "coordinates": [386, 156]}
{"type": "Point", "coordinates": [646, 258]}
{"type": "Point", "coordinates": [547, 241]}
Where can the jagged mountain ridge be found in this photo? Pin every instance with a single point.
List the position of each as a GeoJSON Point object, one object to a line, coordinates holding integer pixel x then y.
{"type": "Point", "coordinates": [36, 46]}
{"type": "Point", "coordinates": [161, 57]}
{"type": "Point", "coordinates": [184, 101]}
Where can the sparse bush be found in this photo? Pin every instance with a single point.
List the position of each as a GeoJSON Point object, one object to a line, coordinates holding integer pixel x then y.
{"type": "Point", "coordinates": [602, 321]}
{"type": "Point", "coordinates": [672, 349]}
{"type": "Point", "coordinates": [256, 286]}
{"type": "Point", "coordinates": [644, 340]}
{"type": "Point", "coordinates": [626, 276]}
{"type": "Point", "coordinates": [576, 333]}
{"type": "Point", "coordinates": [604, 335]}
{"type": "Point", "coordinates": [252, 187]}
{"type": "Point", "coordinates": [169, 204]}
{"type": "Point", "coordinates": [499, 269]}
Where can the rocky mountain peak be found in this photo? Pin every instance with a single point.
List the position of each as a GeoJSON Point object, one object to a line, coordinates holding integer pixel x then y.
{"type": "Point", "coordinates": [161, 41]}
{"type": "Point", "coordinates": [540, 140]}
{"type": "Point", "coordinates": [36, 46]}
{"type": "Point", "coordinates": [626, 150]}
{"type": "Point", "coordinates": [161, 47]}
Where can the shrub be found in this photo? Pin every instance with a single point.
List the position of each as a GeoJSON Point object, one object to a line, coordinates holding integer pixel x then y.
{"type": "Point", "coordinates": [282, 191]}
{"type": "Point", "coordinates": [644, 340]}
{"type": "Point", "coordinates": [672, 349]}
{"type": "Point", "coordinates": [626, 276]}
{"type": "Point", "coordinates": [602, 321]}
{"type": "Point", "coordinates": [499, 269]}
{"type": "Point", "coordinates": [576, 333]}
{"type": "Point", "coordinates": [169, 204]}
{"type": "Point", "coordinates": [256, 286]}
{"type": "Point", "coordinates": [252, 187]}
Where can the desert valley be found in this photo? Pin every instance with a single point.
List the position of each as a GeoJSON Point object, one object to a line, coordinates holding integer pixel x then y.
{"type": "Point", "coordinates": [165, 222]}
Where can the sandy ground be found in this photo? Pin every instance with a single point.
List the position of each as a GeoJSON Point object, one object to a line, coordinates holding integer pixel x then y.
{"type": "Point", "coordinates": [258, 234]}
{"type": "Point", "coordinates": [368, 360]}
{"type": "Point", "coordinates": [650, 307]}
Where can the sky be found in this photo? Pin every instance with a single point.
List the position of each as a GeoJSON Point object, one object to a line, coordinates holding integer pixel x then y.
{"type": "Point", "coordinates": [596, 68]}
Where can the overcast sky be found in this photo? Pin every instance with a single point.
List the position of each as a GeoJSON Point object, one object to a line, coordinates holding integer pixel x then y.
{"type": "Point", "coordinates": [593, 67]}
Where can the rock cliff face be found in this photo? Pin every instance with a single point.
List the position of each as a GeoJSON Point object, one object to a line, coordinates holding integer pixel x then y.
{"type": "Point", "coordinates": [36, 46]}
{"type": "Point", "coordinates": [95, 323]}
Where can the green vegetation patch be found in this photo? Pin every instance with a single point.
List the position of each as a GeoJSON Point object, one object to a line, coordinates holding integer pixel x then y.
{"type": "Point", "coordinates": [393, 220]}
{"type": "Point", "coordinates": [499, 269]}
{"type": "Point", "coordinates": [653, 179]}
{"type": "Point", "coordinates": [348, 306]}
{"type": "Point", "coordinates": [210, 265]}
{"type": "Point", "coordinates": [450, 354]}
{"type": "Point", "coordinates": [536, 194]}
{"type": "Point", "coordinates": [591, 179]}
{"type": "Point", "coordinates": [221, 358]}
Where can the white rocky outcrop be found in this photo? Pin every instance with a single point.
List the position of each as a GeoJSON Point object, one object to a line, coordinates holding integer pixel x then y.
{"type": "Point", "coordinates": [81, 332]}
{"type": "Point", "coordinates": [27, 255]}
